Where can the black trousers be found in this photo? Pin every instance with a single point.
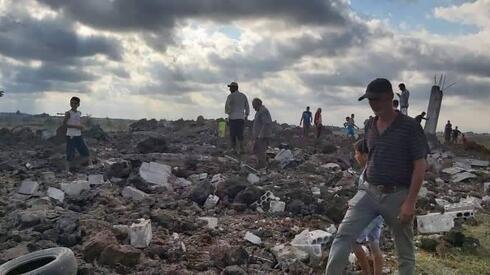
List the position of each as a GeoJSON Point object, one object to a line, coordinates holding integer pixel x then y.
{"type": "Point", "coordinates": [236, 130]}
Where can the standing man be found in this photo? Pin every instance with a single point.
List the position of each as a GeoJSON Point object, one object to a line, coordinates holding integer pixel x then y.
{"type": "Point", "coordinates": [74, 140]}
{"type": "Point", "coordinates": [394, 174]}
{"type": "Point", "coordinates": [456, 133]}
{"type": "Point", "coordinates": [306, 119]}
{"type": "Point", "coordinates": [403, 98]}
{"type": "Point", "coordinates": [447, 132]}
{"type": "Point", "coordinates": [238, 110]}
{"type": "Point", "coordinates": [262, 131]}
{"type": "Point", "coordinates": [420, 117]}
{"type": "Point", "coordinates": [318, 122]}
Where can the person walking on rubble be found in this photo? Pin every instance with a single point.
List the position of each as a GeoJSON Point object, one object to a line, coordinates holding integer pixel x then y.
{"type": "Point", "coordinates": [262, 132]}
{"type": "Point", "coordinates": [404, 96]}
{"type": "Point", "coordinates": [372, 233]}
{"type": "Point", "coordinates": [349, 126]}
{"type": "Point", "coordinates": [318, 122]}
{"type": "Point", "coordinates": [74, 139]}
{"type": "Point", "coordinates": [237, 109]}
{"type": "Point", "coordinates": [393, 177]}
{"type": "Point", "coordinates": [306, 119]}
{"type": "Point", "coordinates": [448, 129]}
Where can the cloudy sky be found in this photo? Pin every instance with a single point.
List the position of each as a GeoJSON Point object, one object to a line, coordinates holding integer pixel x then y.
{"type": "Point", "coordinates": [173, 58]}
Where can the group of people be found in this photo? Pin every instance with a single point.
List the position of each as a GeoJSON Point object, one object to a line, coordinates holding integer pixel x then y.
{"type": "Point", "coordinates": [307, 119]}
{"type": "Point", "coordinates": [391, 177]}
{"type": "Point", "coordinates": [238, 110]}
{"type": "Point", "coordinates": [451, 135]}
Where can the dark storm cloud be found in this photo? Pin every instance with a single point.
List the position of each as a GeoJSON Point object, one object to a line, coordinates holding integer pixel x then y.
{"type": "Point", "coordinates": [49, 76]}
{"type": "Point", "coordinates": [154, 15]}
{"type": "Point", "coordinates": [50, 40]}
{"type": "Point", "coordinates": [272, 54]}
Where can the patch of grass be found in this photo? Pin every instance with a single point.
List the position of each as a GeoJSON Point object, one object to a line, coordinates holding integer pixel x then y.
{"type": "Point", "coordinates": [457, 261]}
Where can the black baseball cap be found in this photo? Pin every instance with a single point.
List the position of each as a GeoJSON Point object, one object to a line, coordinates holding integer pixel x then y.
{"type": "Point", "coordinates": [377, 88]}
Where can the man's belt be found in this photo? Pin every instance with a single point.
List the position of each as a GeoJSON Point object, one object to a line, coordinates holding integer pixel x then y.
{"type": "Point", "coordinates": [385, 189]}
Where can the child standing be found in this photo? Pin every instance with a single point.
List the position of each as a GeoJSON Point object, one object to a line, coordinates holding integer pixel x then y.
{"type": "Point", "coordinates": [371, 234]}
{"type": "Point", "coordinates": [74, 140]}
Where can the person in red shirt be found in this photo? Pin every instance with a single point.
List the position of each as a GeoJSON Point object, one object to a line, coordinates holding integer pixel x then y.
{"type": "Point", "coordinates": [318, 122]}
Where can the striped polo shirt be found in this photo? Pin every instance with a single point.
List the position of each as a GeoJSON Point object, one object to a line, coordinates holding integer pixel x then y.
{"type": "Point", "coordinates": [392, 153]}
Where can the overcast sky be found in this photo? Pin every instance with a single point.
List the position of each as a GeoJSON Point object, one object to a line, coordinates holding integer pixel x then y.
{"type": "Point", "coordinates": [173, 58]}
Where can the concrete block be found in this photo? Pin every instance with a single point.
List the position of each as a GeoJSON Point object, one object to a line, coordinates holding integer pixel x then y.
{"type": "Point", "coordinates": [435, 223]}
{"type": "Point", "coordinates": [75, 188]}
{"type": "Point", "coordinates": [212, 221]}
{"type": "Point", "coordinates": [56, 194]}
{"type": "Point", "coordinates": [140, 233]}
{"type": "Point", "coordinates": [252, 238]}
{"type": "Point", "coordinates": [253, 178]}
{"type": "Point", "coordinates": [28, 187]}
{"type": "Point", "coordinates": [320, 237]}
{"type": "Point", "coordinates": [133, 194]}
{"type": "Point", "coordinates": [277, 206]}
{"type": "Point", "coordinates": [48, 177]}
{"type": "Point", "coordinates": [287, 254]}
{"type": "Point", "coordinates": [211, 201]}
{"type": "Point", "coordinates": [467, 204]}
{"type": "Point", "coordinates": [156, 173]}
{"type": "Point", "coordinates": [95, 179]}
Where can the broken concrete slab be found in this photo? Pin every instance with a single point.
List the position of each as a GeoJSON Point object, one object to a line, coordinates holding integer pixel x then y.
{"type": "Point", "coordinates": [134, 194]}
{"type": "Point", "coordinates": [75, 188]}
{"type": "Point", "coordinates": [28, 187]}
{"type": "Point", "coordinates": [212, 222]}
{"type": "Point", "coordinates": [252, 238]}
{"type": "Point", "coordinates": [287, 254]}
{"type": "Point", "coordinates": [95, 180]}
{"type": "Point", "coordinates": [473, 162]}
{"type": "Point", "coordinates": [277, 206]}
{"type": "Point", "coordinates": [253, 178]}
{"type": "Point", "coordinates": [196, 178]}
{"type": "Point", "coordinates": [462, 177]}
{"type": "Point", "coordinates": [331, 166]}
{"type": "Point", "coordinates": [284, 157]}
{"type": "Point", "coordinates": [140, 233]}
{"type": "Point", "coordinates": [156, 173]}
{"type": "Point", "coordinates": [453, 170]}
{"type": "Point", "coordinates": [56, 194]}
{"type": "Point", "coordinates": [435, 223]}
{"type": "Point", "coordinates": [469, 203]}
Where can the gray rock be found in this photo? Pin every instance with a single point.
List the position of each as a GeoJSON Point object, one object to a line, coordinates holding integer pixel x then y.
{"type": "Point", "coordinates": [28, 187]}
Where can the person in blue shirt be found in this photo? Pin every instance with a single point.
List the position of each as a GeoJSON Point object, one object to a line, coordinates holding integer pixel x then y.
{"type": "Point", "coordinates": [306, 119]}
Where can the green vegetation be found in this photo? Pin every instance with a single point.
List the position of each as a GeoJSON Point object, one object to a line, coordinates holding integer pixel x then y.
{"type": "Point", "coordinates": [457, 261]}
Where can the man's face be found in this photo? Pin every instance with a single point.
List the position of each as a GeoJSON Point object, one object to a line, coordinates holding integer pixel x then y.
{"type": "Point", "coordinates": [256, 105]}
{"type": "Point", "coordinates": [233, 88]}
{"type": "Point", "coordinates": [382, 104]}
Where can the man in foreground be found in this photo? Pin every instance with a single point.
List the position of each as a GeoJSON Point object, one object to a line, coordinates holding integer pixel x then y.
{"type": "Point", "coordinates": [394, 174]}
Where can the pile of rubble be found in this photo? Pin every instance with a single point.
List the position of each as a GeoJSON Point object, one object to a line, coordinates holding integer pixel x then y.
{"type": "Point", "coordinates": [165, 197]}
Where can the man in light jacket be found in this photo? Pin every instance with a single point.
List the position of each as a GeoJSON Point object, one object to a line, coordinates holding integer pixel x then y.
{"type": "Point", "coordinates": [238, 110]}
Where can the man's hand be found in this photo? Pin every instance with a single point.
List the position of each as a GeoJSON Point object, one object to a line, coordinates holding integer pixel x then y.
{"type": "Point", "coordinates": [407, 211]}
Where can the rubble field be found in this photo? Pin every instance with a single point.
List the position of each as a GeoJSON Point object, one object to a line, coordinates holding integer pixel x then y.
{"type": "Point", "coordinates": [169, 198]}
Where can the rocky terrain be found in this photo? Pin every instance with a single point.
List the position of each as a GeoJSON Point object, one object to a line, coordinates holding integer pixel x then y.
{"type": "Point", "coordinates": [168, 198]}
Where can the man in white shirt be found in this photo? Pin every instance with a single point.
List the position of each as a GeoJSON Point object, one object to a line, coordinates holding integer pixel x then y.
{"type": "Point", "coordinates": [403, 98]}
{"type": "Point", "coordinates": [237, 109]}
